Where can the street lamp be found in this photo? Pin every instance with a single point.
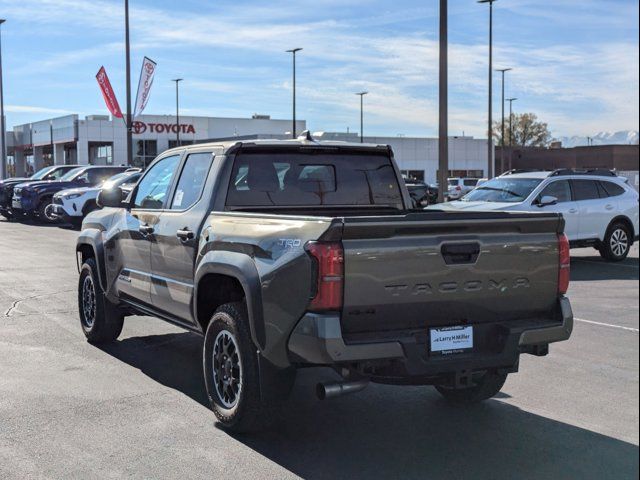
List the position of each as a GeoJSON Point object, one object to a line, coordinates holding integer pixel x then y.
{"type": "Point", "coordinates": [293, 52]}
{"type": "Point", "coordinates": [502, 70]}
{"type": "Point", "coordinates": [490, 130]}
{"type": "Point", "coordinates": [127, 48]}
{"type": "Point", "coordinates": [443, 127]}
{"type": "Point", "coordinates": [177, 80]}
{"type": "Point", "coordinates": [511, 100]}
{"type": "Point", "coordinates": [362, 94]}
{"type": "Point", "coordinates": [3, 155]}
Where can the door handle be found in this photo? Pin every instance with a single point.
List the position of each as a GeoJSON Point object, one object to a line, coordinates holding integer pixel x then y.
{"type": "Point", "coordinates": [573, 210]}
{"type": "Point", "coordinates": [145, 229]}
{"type": "Point", "coordinates": [609, 207]}
{"type": "Point", "coordinates": [184, 234]}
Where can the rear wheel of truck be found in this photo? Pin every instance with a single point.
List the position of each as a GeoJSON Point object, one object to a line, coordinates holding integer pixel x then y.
{"type": "Point", "coordinates": [231, 371]}
{"type": "Point", "coordinates": [100, 319]}
{"type": "Point", "coordinates": [485, 387]}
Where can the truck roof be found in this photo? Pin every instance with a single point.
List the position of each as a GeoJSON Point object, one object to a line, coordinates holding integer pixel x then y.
{"type": "Point", "coordinates": [292, 143]}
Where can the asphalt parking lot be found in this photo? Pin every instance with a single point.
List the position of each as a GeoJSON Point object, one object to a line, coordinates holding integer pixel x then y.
{"type": "Point", "coordinates": [137, 408]}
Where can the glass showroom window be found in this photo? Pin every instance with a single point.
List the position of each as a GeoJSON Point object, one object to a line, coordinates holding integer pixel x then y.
{"type": "Point", "coordinates": [146, 151]}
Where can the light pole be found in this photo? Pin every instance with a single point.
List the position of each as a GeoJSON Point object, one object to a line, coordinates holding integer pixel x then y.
{"type": "Point", "coordinates": [443, 133]}
{"type": "Point", "coordinates": [362, 94]}
{"type": "Point", "coordinates": [511, 100]}
{"type": "Point", "coordinates": [3, 155]}
{"type": "Point", "coordinates": [490, 130]}
{"type": "Point", "coordinates": [502, 70]}
{"type": "Point", "coordinates": [177, 80]}
{"type": "Point", "coordinates": [293, 52]}
{"type": "Point", "coordinates": [127, 47]}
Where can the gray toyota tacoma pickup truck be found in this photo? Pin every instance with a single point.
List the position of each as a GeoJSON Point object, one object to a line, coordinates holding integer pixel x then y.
{"type": "Point", "coordinates": [292, 254]}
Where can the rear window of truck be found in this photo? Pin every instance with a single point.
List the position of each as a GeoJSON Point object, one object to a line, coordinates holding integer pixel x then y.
{"type": "Point", "coordinates": [300, 179]}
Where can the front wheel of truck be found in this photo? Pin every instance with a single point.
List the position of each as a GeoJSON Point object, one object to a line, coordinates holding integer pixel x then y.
{"type": "Point", "coordinates": [484, 388]}
{"type": "Point", "coordinates": [231, 370]}
{"type": "Point", "coordinates": [99, 318]}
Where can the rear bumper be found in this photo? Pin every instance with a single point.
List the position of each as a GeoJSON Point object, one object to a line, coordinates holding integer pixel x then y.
{"type": "Point", "coordinates": [318, 340]}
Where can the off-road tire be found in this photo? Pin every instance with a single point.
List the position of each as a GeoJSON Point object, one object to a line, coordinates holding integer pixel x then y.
{"type": "Point", "coordinates": [101, 321]}
{"type": "Point", "coordinates": [485, 388]}
{"type": "Point", "coordinates": [247, 412]}
{"type": "Point", "coordinates": [617, 242]}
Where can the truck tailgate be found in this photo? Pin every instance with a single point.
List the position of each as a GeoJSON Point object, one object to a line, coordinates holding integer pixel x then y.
{"type": "Point", "coordinates": [436, 269]}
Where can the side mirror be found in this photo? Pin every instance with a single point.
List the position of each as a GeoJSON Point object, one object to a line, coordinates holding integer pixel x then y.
{"type": "Point", "coordinates": [547, 200]}
{"type": "Point", "coordinates": [111, 197]}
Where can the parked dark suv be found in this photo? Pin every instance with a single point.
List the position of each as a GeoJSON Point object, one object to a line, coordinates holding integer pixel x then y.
{"type": "Point", "coordinates": [46, 174]}
{"type": "Point", "coordinates": [32, 198]}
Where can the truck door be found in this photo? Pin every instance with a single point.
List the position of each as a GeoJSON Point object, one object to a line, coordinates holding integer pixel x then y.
{"type": "Point", "coordinates": [173, 254]}
{"type": "Point", "coordinates": [134, 275]}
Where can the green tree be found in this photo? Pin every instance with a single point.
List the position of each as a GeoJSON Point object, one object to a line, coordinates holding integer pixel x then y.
{"type": "Point", "coordinates": [527, 131]}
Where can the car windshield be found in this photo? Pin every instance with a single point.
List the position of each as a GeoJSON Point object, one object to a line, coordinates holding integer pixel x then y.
{"type": "Point", "coordinates": [71, 174]}
{"type": "Point", "coordinates": [510, 190]}
{"type": "Point", "coordinates": [40, 174]}
{"type": "Point", "coordinates": [120, 179]}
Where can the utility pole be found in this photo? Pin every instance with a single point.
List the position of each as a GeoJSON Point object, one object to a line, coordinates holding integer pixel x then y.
{"type": "Point", "coordinates": [490, 130]}
{"type": "Point", "coordinates": [293, 51]}
{"type": "Point", "coordinates": [362, 94]}
{"type": "Point", "coordinates": [129, 121]}
{"type": "Point", "coordinates": [443, 133]}
{"type": "Point", "coordinates": [3, 128]}
{"type": "Point", "coordinates": [177, 80]}
{"type": "Point", "coordinates": [502, 70]}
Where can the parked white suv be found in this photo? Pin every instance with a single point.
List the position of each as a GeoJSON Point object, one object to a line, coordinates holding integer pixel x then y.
{"type": "Point", "coordinates": [72, 205]}
{"type": "Point", "coordinates": [458, 187]}
{"type": "Point", "coordinates": [600, 209]}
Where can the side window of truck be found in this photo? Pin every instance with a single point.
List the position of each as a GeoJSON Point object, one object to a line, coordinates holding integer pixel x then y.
{"type": "Point", "coordinates": [153, 188]}
{"type": "Point", "coordinates": [192, 178]}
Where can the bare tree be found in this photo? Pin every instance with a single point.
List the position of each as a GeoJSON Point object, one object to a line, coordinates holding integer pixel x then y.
{"type": "Point", "coordinates": [527, 131]}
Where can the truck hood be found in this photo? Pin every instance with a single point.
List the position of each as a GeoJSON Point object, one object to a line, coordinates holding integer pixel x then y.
{"type": "Point", "coordinates": [53, 185]}
{"type": "Point", "coordinates": [9, 182]}
{"type": "Point", "coordinates": [460, 206]}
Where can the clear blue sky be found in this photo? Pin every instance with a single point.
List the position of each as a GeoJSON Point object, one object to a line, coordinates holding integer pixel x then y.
{"type": "Point", "coordinates": [575, 61]}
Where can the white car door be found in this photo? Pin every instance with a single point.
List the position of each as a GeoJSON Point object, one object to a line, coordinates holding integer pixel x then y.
{"type": "Point", "coordinates": [595, 213]}
{"type": "Point", "coordinates": [561, 190]}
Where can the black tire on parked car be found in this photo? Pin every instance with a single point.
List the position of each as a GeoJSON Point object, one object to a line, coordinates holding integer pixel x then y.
{"type": "Point", "coordinates": [617, 242]}
{"type": "Point", "coordinates": [231, 371]}
{"type": "Point", "coordinates": [100, 319]}
{"type": "Point", "coordinates": [41, 212]}
{"type": "Point", "coordinates": [485, 387]}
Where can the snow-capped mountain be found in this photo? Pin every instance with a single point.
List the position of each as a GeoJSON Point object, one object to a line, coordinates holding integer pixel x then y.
{"type": "Point", "coordinates": [624, 137]}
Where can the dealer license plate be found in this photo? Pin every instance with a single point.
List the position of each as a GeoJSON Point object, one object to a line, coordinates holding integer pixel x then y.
{"type": "Point", "coordinates": [451, 340]}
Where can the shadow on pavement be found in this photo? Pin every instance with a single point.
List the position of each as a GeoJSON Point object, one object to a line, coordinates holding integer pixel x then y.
{"type": "Point", "coordinates": [395, 432]}
{"type": "Point", "coordinates": [584, 269]}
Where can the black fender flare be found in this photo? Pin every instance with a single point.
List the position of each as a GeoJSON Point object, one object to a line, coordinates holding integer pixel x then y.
{"type": "Point", "coordinates": [93, 238]}
{"type": "Point", "coordinates": [241, 267]}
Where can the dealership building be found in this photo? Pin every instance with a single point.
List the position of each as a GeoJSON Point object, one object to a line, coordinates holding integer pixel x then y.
{"type": "Point", "coordinates": [101, 140]}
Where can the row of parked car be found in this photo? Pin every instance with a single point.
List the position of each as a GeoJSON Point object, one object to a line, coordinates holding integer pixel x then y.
{"type": "Point", "coordinates": [62, 193]}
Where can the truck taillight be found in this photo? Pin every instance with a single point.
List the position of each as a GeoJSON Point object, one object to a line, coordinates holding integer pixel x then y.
{"type": "Point", "coordinates": [564, 260]}
{"type": "Point", "coordinates": [329, 258]}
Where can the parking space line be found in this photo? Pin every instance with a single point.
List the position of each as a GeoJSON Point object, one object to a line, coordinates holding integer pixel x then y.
{"type": "Point", "coordinates": [630, 329]}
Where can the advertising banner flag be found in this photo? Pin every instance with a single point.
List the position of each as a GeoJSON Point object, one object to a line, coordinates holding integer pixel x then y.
{"type": "Point", "coordinates": [144, 85]}
{"type": "Point", "coordinates": [108, 93]}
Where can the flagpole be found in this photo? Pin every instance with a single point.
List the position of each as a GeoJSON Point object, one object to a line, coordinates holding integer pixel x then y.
{"type": "Point", "coordinates": [129, 123]}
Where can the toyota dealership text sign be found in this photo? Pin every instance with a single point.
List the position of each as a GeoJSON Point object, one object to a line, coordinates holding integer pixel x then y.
{"type": "Point", "coordinates": [143, 127]}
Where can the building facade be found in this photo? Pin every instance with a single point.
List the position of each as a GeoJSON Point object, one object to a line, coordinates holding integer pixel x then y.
{"type": "Point", "coordinates": [102, 140]}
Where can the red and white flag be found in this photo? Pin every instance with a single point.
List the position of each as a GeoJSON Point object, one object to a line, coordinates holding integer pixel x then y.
{"type": "Point", "coordinates": [144, 85]}
{"type": "Point", "coordinates": [108, 93]}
